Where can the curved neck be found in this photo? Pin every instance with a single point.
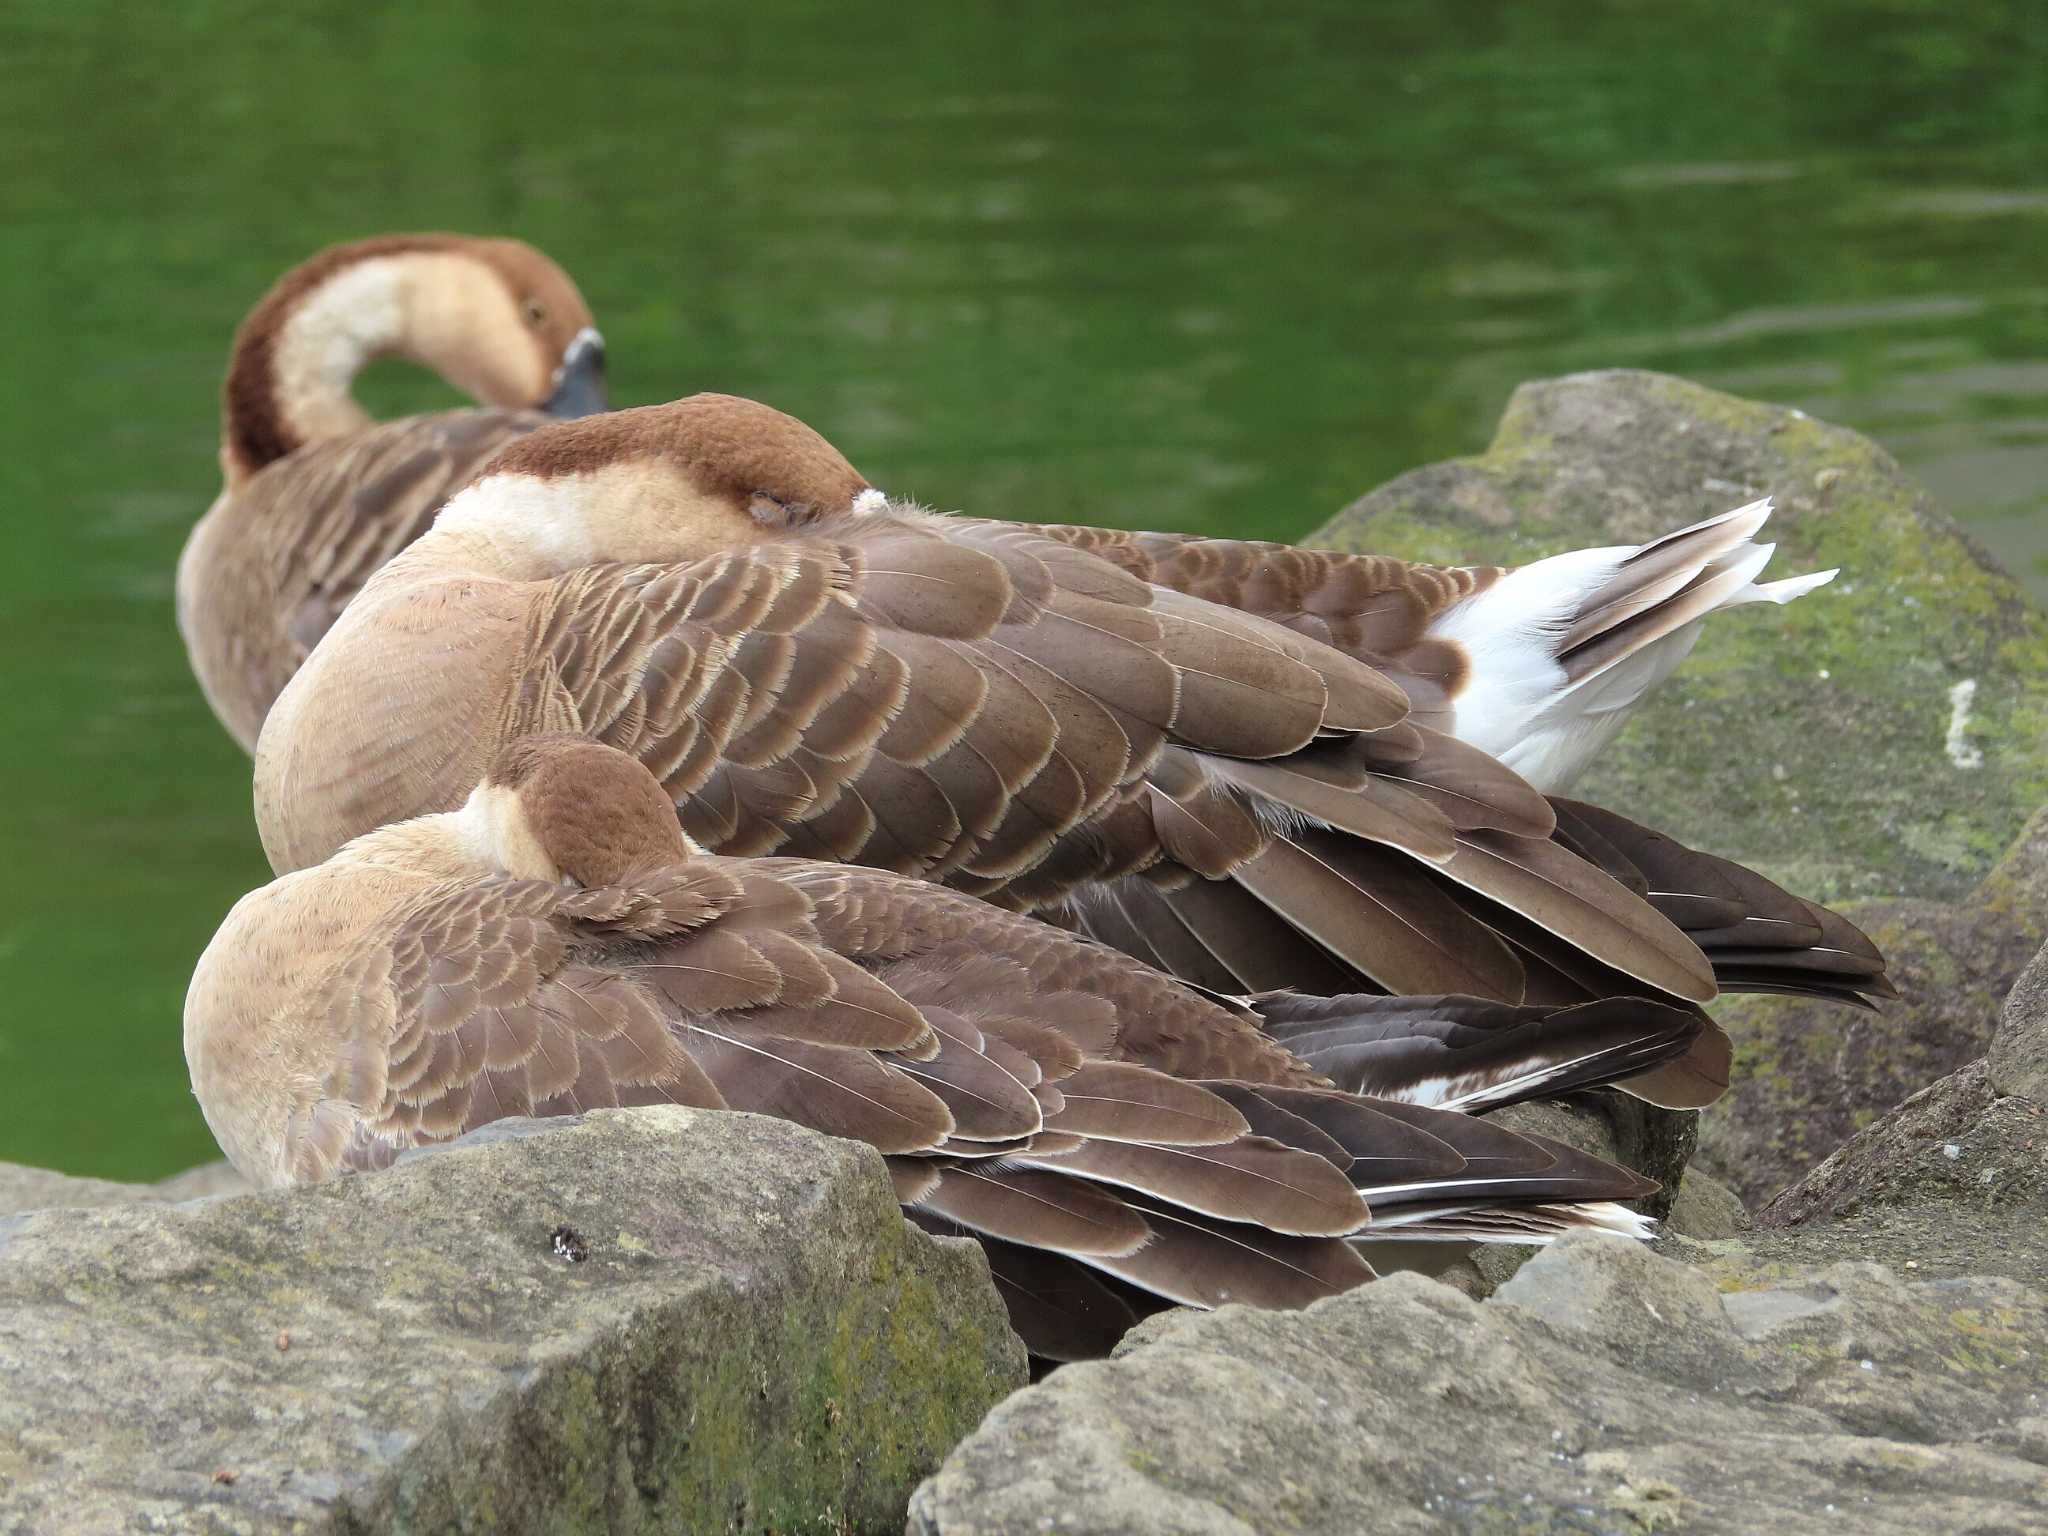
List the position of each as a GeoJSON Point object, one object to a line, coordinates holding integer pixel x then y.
{"type": "Point", "coordinates": [292, 376]}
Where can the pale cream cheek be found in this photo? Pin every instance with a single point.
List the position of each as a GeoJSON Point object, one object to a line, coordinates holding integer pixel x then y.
{"type": "Point", "coordinates": [461, 322]}
{"type": "Point", "coordinates": [629, 512]}
{"type": "Point", "coordinates": [496, 831]}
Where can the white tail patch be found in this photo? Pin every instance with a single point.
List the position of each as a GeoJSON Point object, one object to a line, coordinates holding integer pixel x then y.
{"type": "Point", "coordinates": [869, 502]}
{"type": "Point", "coordinates": [1562, 650]}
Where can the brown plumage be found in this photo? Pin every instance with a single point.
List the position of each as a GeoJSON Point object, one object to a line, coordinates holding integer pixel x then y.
{"type": "Point", "coordinates": [544, 951]}
{"type": "Point", "coordinates": [1540, 665]}
{"type": "Point", "coordinates": [966, 701]}
{"type": "Point", "coordinates": [1370, 606]}
{"type": "Point", "coordinates": [317, 496]}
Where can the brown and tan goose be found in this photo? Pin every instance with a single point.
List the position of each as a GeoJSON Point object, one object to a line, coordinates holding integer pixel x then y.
{"type": "Point", "coordinates": [1119, 1140]}
{"type": "Point", "coordinates": [316, 495]}
{"type": "Point", "coordinates": [810, 669]}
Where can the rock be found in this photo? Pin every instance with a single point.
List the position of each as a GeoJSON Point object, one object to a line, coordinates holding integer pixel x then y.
{"type": "Point", "coordinates": [637, 1319]}
{"type": "Point", "coordinates": [1886, 736]}
{"type": "Point", "coordinates": [1957, 1174]}
{"type": "Point", "coordinates": [1953, 1180]}
{"type": "Point", "coordinates": [203, 1182]}
{"type": "Point", "coordinates": [1706, 1209]}
{"type": "Point", "coordinates": [1956, 1142]}
{"type": "Point", "coordinates": [1604, 1389]}
{"type": "Point", "coordinates": [2019, 1051]}
{"type": "Point", "coordinates": [23, 1188]}
{"type": "Point", "coordinates": [1810, 1075]}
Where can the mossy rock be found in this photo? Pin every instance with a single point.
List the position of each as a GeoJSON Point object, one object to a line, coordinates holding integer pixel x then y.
{"type": "Point", "coordinates": [1810, 1075]}
{"type": "Point", "coordinates": [645, 1319]}
{"type": "Point", "coordinates": [1823, 743]}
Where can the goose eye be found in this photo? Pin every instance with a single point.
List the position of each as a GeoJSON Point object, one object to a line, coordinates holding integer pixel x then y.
{"type": "Point", "coordinates": [774, 512]}
{"type": "Point", "coordinates": [536, 313]}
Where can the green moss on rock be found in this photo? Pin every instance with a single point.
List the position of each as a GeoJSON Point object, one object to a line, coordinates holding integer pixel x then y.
{"type": "Point", "coordinates": [1810, 1075]}
{"type": "Point", "coordinates": [1811, 742]}
{"type": "Point", "coordinates": [766, 1347]}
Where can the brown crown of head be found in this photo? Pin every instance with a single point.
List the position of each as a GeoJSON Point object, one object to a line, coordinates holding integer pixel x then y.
{"type": "Point", "coordinates": [597, 813]}
{"type": "Point", "coordinates": [731, 448]}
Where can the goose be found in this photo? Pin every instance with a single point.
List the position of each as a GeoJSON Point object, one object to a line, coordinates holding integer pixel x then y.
{"type": "Point", "coordinates": [811, 669]}
{"type": "Point", "coordinates": [1118, 1140]}
{"type": "Point", "coordinates": [316, 496]}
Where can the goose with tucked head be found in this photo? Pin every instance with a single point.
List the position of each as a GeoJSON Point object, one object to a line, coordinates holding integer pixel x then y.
{"type": "Point", "coordinates": [810, 668]}
{"type": "Point", "coordinates": [556, 944]}
{"type": "Point", "coordinates": [316, 494]}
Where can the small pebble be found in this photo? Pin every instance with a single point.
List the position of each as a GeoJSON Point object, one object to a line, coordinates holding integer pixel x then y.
{"type": "Point", "coordinates": [284, 1340]}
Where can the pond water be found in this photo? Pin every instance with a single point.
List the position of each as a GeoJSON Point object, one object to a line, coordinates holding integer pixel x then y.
{"type": "Point", "coordinates": [1220, 267]}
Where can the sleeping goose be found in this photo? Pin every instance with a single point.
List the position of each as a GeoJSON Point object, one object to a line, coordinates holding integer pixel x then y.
{"type": "Point", "coordinates": [813, 670]}
{"type": "Point", "coordinates": [316, 495]}
{"type": "Point", "coordinates": [1117, 1139]}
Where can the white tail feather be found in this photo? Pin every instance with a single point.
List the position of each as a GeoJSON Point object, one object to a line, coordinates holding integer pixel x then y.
{"type": "Point", "coordinates": [1524, 705]}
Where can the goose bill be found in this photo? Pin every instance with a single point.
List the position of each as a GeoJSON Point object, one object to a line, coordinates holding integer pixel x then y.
{"type": "Point", "coordinates": [579, 382]}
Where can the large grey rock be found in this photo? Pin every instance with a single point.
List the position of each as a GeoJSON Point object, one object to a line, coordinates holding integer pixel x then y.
{"type": "Point", "coordinates": [1886, 736]}
{"type": "Point", "coordinates": [23, 1188]}
{"type": "Point", "coordinates": [1955, 1176]}
{"type": "Point", "coordinates": [1810, 1075]}
{"type": "Point", "coordinates": [1706, 1210]}
{"type": "Point", "coordinates": [2019, 1051]}
{"type": "Point", "coordinates": [753, 1340]}
{"type": "Point", "coordinates": [1604, 1389]}
{"type": "Point", "coordinates": [1956, 1143]}
{"type": "Point", "coordinates": [202, 1183]}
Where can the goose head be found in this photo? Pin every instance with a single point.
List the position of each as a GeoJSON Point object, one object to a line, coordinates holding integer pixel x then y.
{"type": "Point", "coordinates": [661, 483]}
{"type": "Point", "coordinates": [563, 808]}
{"type": "Point", "coordinates": [496, 318]}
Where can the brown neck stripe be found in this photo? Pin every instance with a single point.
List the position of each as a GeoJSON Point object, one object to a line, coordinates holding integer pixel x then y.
{"type": "Point", "coordinates": [253, 417]}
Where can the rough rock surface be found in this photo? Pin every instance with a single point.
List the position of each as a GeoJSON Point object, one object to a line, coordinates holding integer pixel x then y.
{"type": "Point", "coordinates": [23, 1188]}
{"type": "Point", "coordinates": [1604, 1389]}
{"type": "Point", "coordinates": [2019, 1051]}
{"type": "Point", "coordinates": [1825, 743]}
{"type": "Point", "coordinates": [1706, 1209]}
{"type": "Point", "coordinates": [642, 1319]}
{"type": "Point", "coordinates": [1957, 1142]}
{"type": "Point", "coordinates": [1956, 1177]}
{"type": "Point", "coordinates": [1809, 1075]}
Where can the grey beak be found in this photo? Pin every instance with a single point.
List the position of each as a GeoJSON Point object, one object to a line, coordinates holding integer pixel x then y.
{"type": "Point", "coordinates": [579, 382]}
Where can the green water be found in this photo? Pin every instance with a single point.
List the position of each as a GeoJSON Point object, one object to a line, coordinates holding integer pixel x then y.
{"type": "Point", "coordinates": [1206, 266]}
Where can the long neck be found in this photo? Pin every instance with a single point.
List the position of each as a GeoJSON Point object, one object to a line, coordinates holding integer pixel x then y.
{"type": "Point", "coordinates": [292, 376]}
